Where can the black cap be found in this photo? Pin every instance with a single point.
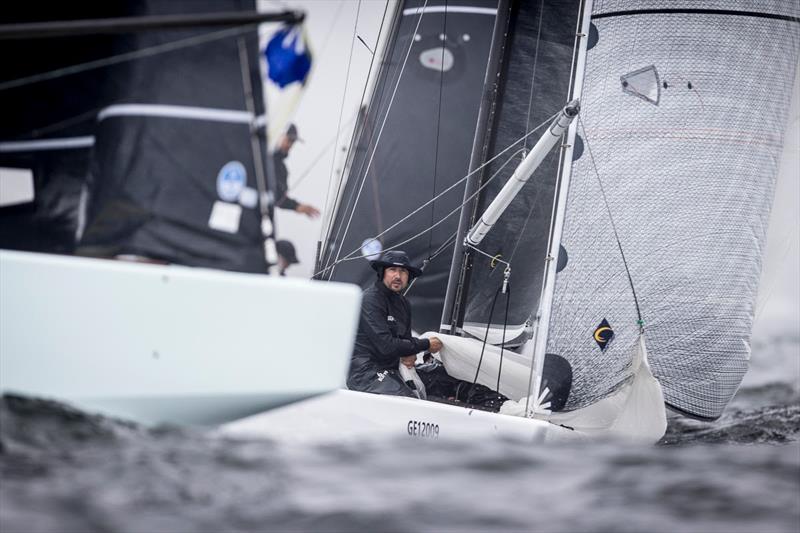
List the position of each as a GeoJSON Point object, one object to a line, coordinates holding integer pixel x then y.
{"type": "Point", "coordinates": [395, 258]}
{"type": "Point", "coordinates": [291, 133]}
{"type": "Point", "coordinates": [286, 249]}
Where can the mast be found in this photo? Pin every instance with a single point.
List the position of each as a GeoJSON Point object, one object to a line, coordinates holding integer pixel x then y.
{"type": "Point", "coordinates": [543, 318]}
{"type": "Point", "coordinates": [480, 148]}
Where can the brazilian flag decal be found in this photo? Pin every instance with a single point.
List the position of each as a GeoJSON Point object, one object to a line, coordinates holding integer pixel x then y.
{"type": "Point", "coordinates": [603, 334]}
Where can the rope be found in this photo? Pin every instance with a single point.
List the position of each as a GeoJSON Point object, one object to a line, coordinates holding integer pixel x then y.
{"type": "Point", "coordinates": [613, 226]}
{"type": "Point", "coordinates": [503, 343]}
{"type": "Point", "coordinates": [485, 342]}
{"type": "Point", "coordinates": [450, 240]}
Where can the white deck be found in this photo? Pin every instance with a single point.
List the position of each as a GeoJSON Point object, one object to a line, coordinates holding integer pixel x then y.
{"type": "Point", "coordinates": [169, 344]}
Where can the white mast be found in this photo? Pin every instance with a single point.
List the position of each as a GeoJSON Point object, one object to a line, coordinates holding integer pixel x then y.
{"type": "Point", "coordinates": [546, 302]}
{"type": "Point", "coordinates": [523, 173]}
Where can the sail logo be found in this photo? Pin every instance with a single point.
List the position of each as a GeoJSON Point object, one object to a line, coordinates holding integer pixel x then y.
{"type": "Point", "coordinates": [231, 181]}
{"type": "Point", "coordinates": [603, 334]}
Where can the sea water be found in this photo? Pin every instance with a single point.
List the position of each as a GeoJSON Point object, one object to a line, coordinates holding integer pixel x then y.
{"type": "Point", "coordinates": [64, 470]}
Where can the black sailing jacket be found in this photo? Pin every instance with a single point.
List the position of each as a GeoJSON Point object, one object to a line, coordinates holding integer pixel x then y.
{"type": "Point", "coordinates": [384, 333]}
{"type": "Point", "coordinates": [282, 199]}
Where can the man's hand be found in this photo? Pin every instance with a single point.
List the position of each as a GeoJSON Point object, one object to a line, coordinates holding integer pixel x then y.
{"type": "Point", "coordinates": [309, 210]}
{"type": "Point", "coordinates": [436, 344]}
{"type": "Point", "coordinates": [409, 361]}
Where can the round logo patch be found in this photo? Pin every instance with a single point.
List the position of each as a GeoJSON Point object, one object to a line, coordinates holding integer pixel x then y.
{"type": "Point", "coordinates": [231, 181]}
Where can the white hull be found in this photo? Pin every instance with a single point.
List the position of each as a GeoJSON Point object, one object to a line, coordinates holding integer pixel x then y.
{"type": "Point", "coordinates": [169, 344]}
{"type": "Point", "coordinates": [346, 415]}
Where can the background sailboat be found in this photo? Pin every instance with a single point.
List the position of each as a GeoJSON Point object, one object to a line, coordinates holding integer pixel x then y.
{"type": "Point", "coordinates": [170, 156]}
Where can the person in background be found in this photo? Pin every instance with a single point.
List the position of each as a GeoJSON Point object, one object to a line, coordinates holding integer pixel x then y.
{"type": "Point", "coordinates": [286, 256]}
{"type": "Point", "coordinates": [285, 144]}
{"type": "Point", "coordinates": [384, 340]}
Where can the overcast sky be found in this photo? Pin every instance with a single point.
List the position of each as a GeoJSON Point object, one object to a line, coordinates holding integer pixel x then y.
{"type": "Point", "coordinates": [331, 97]}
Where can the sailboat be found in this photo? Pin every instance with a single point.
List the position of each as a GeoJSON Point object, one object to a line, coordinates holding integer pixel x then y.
{"type": "Point", "coordinates": [137, 133]}
{"type": "Point", "coordinates": [632, 254]}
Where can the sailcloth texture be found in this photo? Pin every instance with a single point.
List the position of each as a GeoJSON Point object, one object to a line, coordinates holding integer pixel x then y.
{"type": "Point", "coordinates": [684, 108]}
{"type": "Point", "coordinates": [635, 412]}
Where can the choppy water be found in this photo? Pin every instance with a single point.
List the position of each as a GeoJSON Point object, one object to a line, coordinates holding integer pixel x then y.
{"type": "Point", "coordinates": [64, 470]}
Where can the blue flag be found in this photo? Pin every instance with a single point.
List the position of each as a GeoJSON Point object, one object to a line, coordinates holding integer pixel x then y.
{"type": "Point", "coordinates": [288, 58]}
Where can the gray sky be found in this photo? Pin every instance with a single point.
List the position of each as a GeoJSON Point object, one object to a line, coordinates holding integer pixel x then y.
{"type": "Point", "coordinates": [330, 26]}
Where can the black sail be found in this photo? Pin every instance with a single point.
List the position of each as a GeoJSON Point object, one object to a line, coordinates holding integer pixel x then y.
{"type": "Point", "coordinates": [430, 108]}
{"type": "Point", "coordinates": [165, 140]}
{"type": "Point", "coordinates": [535, 84]}
{"type": "Point", "coordinates": [159, 163]}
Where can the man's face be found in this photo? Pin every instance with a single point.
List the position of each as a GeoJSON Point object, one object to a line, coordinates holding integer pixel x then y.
{"type": "Point", "coordinates": [286, 144]}
{"type": "Point", "coordinates": [395, 278]}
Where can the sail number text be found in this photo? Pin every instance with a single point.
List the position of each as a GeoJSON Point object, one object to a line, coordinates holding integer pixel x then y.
{"type": "Point", "coordinates": [424, 430]}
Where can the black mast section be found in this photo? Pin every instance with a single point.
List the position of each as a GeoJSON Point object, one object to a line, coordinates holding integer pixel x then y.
{"type": "Point", "coordinates": [452, 313]}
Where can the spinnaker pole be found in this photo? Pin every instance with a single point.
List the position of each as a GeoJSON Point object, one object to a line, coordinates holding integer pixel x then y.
{"type": "Point", "coordinates": [523, 173]}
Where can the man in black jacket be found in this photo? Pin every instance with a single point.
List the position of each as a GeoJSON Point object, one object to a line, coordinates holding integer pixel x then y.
{"type": "Point", "coordinates": [282, 199]}
{"type": "Point", "coordinates": [384, 333]}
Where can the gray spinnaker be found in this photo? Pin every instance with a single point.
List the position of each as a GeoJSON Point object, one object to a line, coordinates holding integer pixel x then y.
{"type": "Point", "coordinates": [683, 112]}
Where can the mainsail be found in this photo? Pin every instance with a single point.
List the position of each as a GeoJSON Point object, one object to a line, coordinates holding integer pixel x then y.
{"type": "Point", "coordinates": [412, 144]}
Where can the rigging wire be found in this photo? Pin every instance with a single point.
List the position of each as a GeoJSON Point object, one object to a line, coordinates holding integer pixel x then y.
{"type": "Point", "coordinates": [438, 125]}
{"type": "Point", "coordinates": [486, 340]}
{"type": "Point", "coordinates": [449, 242]}
{"type": "Point", "coordinates": [355, 130]}
{"type": "Point", "coordinates": [307, 172]}
{"type": "Point", "coordinates": [613, 226]}
{"type": "Point", "coordinates": [380, 133]}
{"type": "Point", "coordinates": [533, 71]}
{"type": "Point", "coordinates": [341, 107]}
{"type": "Point", "coordinates": [128, 56]}
{"type": "Point", "coordinates": [349, 256]}
{"type": "Point", "coordinates": [503, 343]}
